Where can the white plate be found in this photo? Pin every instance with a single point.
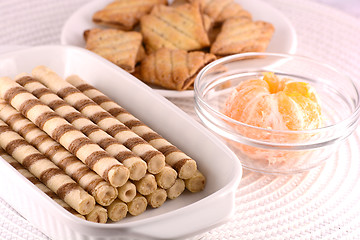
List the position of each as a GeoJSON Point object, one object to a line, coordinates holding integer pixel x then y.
{"type": "Point", "coordinates": [283, 41]}
{"type": "Point", "coordinates": [182, 217]}
{"type": "Point", "coordinates": [9, 48]}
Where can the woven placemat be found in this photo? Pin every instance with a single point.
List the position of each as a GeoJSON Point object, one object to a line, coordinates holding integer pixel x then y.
{"type": "Point", "coordinates": [320, 204]}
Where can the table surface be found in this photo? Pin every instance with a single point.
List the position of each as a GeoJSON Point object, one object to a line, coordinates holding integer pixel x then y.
{"type": "Point", "coordinates": [319, 204]}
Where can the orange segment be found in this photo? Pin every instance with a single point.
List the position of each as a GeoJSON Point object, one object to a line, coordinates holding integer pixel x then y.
{"type": "Point", "coordinates": [291, 113]}
{"type": "Point", "coordinates": [301, 88]}
{"type": "Point", "coordinates": [275, 84]}
{"type": "Point", "coordinates": [242, 96]}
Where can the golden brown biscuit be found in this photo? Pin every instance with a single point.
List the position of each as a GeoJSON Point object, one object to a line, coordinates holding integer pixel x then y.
{"type": "Point", "coordinates": [141, 54]}
{"type": "Point", "coordinates": [176, 3]}
{"type": "Point", "coordinates": [125, 14]}
{"type": "Point", "coordinates": [221, 10]}
{"type": "Point", "coordinates": [208, 22]}
{"type": "Point", "coordinates": [173, 69]}
{"type": "Point", "coordinates": [179, 27]}
{"type": "Point", "coordinates": [242, 35]}
{"type": "Point", "coordinates": [213, 33]}
{"type": "Point", "coordinates": [115, 45]}
{"type": "Point", "coordinates": [137, 72]}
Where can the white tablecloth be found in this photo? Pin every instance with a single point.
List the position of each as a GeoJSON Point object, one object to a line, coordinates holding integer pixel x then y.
{"type": "Point", "coordinates": [320, 204]}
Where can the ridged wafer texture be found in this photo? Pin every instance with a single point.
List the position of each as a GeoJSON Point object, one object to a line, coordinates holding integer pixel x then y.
{"type": "Point", "coordinates": [240, 35]}
{"type": "Point", "coordinates": [173, 68]}
{"type": "Point", "coordinates": [23, 171]}
{"type": "Point", "coordinates": [98, 215]}
{"type": "Point", "coordinates": [67, 135]}
{"type": "Point", "coordinates": [117, 210]}
{"type": "Point", "coordinates": [136, 165]}
{"type": "Point", "coordinates": [179, 27]}
{"type": "Point", "coordinates": [155, 159]}
{"type": "Point", "coordinates": [102, 191]}
{"type": "Point", "coordinates": [124, 14]}
{"type": "Point", "coordinates": [221, 10]}
{"type": "Point", "coordinates": [45, 170]}
{"type": "Point", "coordinates": [183, 164]}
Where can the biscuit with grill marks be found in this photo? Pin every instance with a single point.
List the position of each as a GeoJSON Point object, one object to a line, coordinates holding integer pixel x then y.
{"type": "Point", "coordinates": [141, 54]}
{"type": "Point", "coordinates": [221, 10]}
{"type": "Point", "coordinates": [173, 69]}
{"type": "Point", "coordinates": [179, 27]}
{"type": "Point", "coordinates": [176, 3]}
{"type": "Point", "coordinates": [125, 14]}
{"type": "Point", "coordinates": [240, 35]}
{"type": "Point", "coordinates": [117, 46]}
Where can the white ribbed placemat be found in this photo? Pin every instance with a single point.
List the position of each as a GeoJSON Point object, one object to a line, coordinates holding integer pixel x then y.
{"type": "Point", "coordinates": [320, 204]}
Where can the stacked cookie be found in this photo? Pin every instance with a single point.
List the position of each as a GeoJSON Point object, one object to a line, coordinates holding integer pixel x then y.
{"type": "Point", "coordinates": [168, 45]}
{"type": "Point", "coordinates": [90, 154]}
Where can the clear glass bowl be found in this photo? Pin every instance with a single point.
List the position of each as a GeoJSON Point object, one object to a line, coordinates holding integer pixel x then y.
{"type": "Point", "coordinates": [273, 151]}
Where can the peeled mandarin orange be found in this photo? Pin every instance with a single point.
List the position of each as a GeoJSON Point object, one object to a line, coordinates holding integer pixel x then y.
{"type": "Point", "coordinates": [273, 103]}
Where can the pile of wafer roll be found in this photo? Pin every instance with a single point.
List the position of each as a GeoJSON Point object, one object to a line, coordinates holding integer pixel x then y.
{"type": "Point", "coordinates": [166, 44]}
{"type": "Point", "coordinates": [85, 151]}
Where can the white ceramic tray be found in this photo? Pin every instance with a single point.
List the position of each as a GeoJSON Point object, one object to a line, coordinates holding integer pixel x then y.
{"type": "Point", "coordinates": [185, 216]}
{"type": "Point", "coordinates": [283, 41]}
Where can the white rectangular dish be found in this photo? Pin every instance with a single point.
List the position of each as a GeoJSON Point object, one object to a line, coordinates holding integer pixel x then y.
{"type": "Point", "coordinates": [185, 216]}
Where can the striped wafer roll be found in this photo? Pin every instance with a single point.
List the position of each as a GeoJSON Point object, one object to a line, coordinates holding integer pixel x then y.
{"type": "Point", "coordinates": [146, 185]}
{"type": "Point", "coordinates": [127, 192]}
{"type": "Point", "coordinates": [196, 183]}
{"type": "Point", "coordinates": [45, 170]}
{"type": "Point", "coordinates": [136, 165]}
{"type": "Point", "coordinates": [166, 177]}
{"type": "Point", "coordinates": [177, 189]}
{"type": "Point", "coordinates": [157, 198]}
{"type": "Point", "coordinates": [117, 210]}
{"type": "Point", "coordinates": [183, 164]}
{"type": "Point", "coordinates": [137, 205]}
{"type": "Point", "coordinates": [37, 182]}
{"type": "Point", "coordinates": [101, 190]}
{"type": "Point", "coordinates": [98, 215]}
{"type": "Point", "coordinates": [67, 135]}
{"type": "Point", "coordinates": [154, 158]}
